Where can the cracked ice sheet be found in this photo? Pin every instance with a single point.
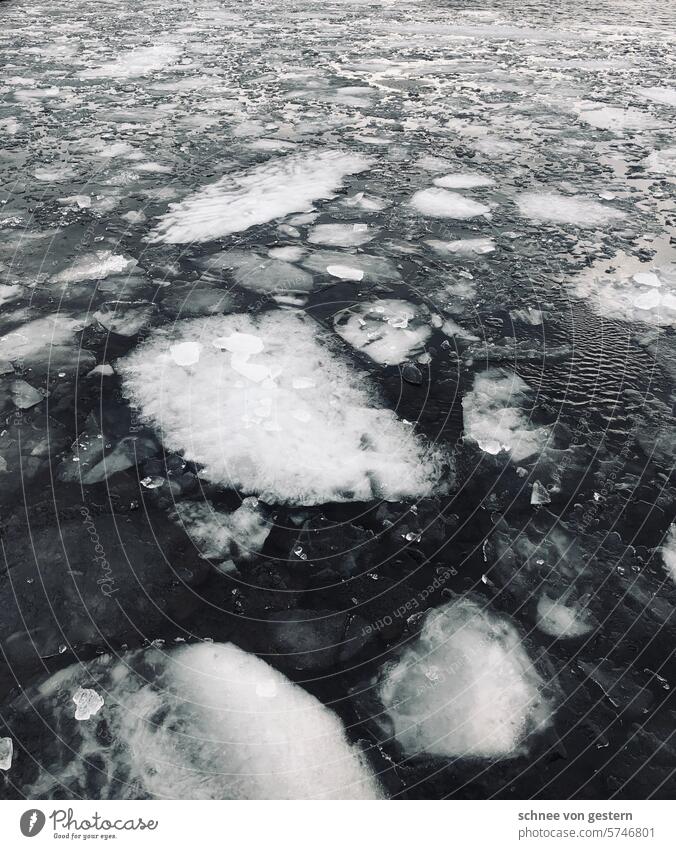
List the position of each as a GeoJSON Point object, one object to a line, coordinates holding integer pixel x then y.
{"type": "Point", "coordinates": [263, 193]}
{"type": "Point", "coordinates": [136, 63]}
{"type": "Point", "coordinates": [284, 418]}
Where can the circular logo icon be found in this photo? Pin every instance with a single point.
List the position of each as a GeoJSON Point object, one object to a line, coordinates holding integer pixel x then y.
{"type": "Point", "coordinates": [32, 822]}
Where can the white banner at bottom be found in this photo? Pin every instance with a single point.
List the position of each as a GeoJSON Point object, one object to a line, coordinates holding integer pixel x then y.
{"type": "Point", "coordinates": [338, 825]}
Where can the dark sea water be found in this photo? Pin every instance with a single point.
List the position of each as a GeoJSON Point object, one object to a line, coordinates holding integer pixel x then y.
{"type": "Point", "coordinates": [389, 406]}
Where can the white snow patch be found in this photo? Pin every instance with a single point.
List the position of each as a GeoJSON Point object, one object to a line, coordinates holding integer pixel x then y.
{"type": "Point", "coordinates": [563, 209]}
{"type": "Point", "coordinates": [242, 416]}
{"type": "Point", "coordinates": [465, 687]}
{"type": "Point", "coordinates": [261, 194]}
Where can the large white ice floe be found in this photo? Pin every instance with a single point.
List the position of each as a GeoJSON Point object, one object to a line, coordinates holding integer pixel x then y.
{"type": "Point", "coordinates": [660, 94]}
{"type": "Point", "coordinates": [261, 274]}
{"type": "Point", "coordinates": [465, 687]}
{"type": "Point", "coordinates": [205, 721]}
{"type": "Point", "coordinates": [260, 194]}
{"type": "Point", "coordinates": [136, 63]}
{"type": "Point", "coordinates": [440, 203]}
{"type": "Point", "coordinates": [494, 417]}
{"type": "Point", "coordinates": [648, 296]}
{"type": "Point", "coordinates": [269, 408]}
{"type": "Point", "coordinates": [565, 209]}
{"type": "Point", "coordinates": [662, 162]}
{"type": "Point", "coordinates": [388, 330]}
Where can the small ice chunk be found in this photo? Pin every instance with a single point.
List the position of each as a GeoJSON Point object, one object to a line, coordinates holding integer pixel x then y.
{"type": "Point", "coordinates": [88, 703]}
{"type": "Point", "coordinates": [6, 752]}
{"type": "Point", "coordinates": [239, 535]}
{"type": "Point", "coordinates": [388, 330]}
{"type": "Point", "coordinates": [185, 353]}
{"type": "Point", "coordinates": [345, 272]}
{"type": "Point", "coordinates": [440, 203]}
{"type": "Point", "coordinates": [340, 235]}
{"type": "Point", "coordinates": [539, 494]}
{"type": "Point", "coordinates": [240, 343]}
{"type": "Point", "coordinates": [24, 395]}
{"type": "Point", "coordinates": [564, 209]}
{"type": "Point", "coordinates": [465, 687]}
{"type": "Point", "coordinates": [105, 370]}
{"type": "Point", "coordinates": [463, 181]}
{"type": "Point", "coordinates": [559, 620]}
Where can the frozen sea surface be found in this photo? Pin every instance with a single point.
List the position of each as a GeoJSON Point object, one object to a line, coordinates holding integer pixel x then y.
{"type": "Point", "coordinates": [337, 369]}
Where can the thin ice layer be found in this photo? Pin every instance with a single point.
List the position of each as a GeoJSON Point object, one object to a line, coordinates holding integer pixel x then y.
{"type": "Point", "coordinates": [249, 198]}
{"type": "Point", "coordinates": [269, 409]}
{"type": "Point", "coordinates": [205, 721]}
{"type": "Point", "coordinates": [465, 687]}
{"type": "Point", "coordinates": [494, 418]}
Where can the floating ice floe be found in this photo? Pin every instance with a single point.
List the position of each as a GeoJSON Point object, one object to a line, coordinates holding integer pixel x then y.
{"type": "Point", "coordinates": [669, 553]}
{"type": "Point", "coordinates": [205, 721]}
{"type": "Point", "coordinates": [660, 94]}
{"type": "Point", "coordinates": [271, 410]}
{"type": "Point", "coordinates": [219, 536]}
{"type": "Point", "coordinates": [248, 198]}
{"type": "Point", "coordinates": [465, 688]}
{"type": "Point", "coordinates": [95, 266]}
{"type": "Point", "coordinates": [374, 269]}
{"type": "Point", "coordinates": [136, 63]}
{"type": "Point", "coordinates": [341, 235]}
{"type": "Point", "coordinates": [6, 752]}
{"type": "Point", "coordinates": [440, 203]}
{"type": "Point", "coordinates": [615, 119]}
{"type": "Point", "coordinates": [463, 247]}
{"type": "Point", "coordinates": [87, 703]}
{"type": "Point", "coordinates": [648, 297]}
{"type": "Point", "coordinates": [462, 181]}
{"type": "Point", "coordinates": [494, 418]}
{"type": "Point", "coordinates": [261, 274]}
{"type": "Point", "coordinates": [388, 330]}
{"type": "Point", "coordinates": [662, 162]}
{"type": "Point", "coordinates": [563, 209]}
{"type": "Point", "coordinates": [345, 272]}
{"type": "Point", "coordinates": [561, 620]}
